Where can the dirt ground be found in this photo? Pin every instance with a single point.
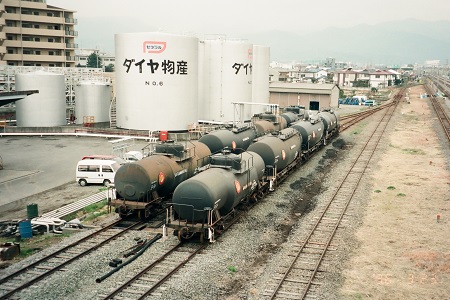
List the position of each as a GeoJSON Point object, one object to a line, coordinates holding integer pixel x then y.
{"type": "Point", "coordinates": [404, 248]}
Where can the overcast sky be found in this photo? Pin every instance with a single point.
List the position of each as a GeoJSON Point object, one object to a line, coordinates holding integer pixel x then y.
{"type": "Point", "coordinates": [99, 20]}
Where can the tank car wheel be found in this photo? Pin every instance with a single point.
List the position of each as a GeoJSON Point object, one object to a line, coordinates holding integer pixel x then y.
{"type": "Point", "coordinates": [260, 195]}
{"type": "Point", "coordinates": [106, 182]}
{"type": "Point", "coordinates": [184, 234]}
{"type": "Point", "coordinates": [82, 182]}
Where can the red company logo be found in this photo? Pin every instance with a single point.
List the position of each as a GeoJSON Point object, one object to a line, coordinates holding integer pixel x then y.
{"type": "Point", "coordinates": [250, 53]}
{"type": "Point", "coordinates": [154, 47]}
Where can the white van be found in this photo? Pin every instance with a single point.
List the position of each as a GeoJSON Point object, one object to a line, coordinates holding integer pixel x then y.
{"type": "Point", "coordinates": [96, 171]}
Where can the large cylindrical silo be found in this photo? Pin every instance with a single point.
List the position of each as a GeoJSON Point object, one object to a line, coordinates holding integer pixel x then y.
{"type": "Point", "coordinates": [156, 81]}
{"type": "Point", "coordinates": [93, 99]}
{"type": "Point", "coordinates": [260, 77]}
{"type": "Point", "coordinates": [227, 78]}
{"type": "Point", "coordinates": [46, 108]}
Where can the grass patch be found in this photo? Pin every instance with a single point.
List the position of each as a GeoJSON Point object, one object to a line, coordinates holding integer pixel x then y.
{"type": "Point", "coordinates": [359, 128]}
{"type": "Point", "coordinates": [413, 151]}
{"type": "Point", "coordinates": [391, 188]}
{"type": "Point", "coordinates": [232, 269]}
{"type": "Point", "coordinates": [88, 210]}
{"type": "Point", "coordinates": [94, 215]}
{"type": "Point", "coordinates": [36, 243]}
{"type": "Point", "coordinates": [70, 217]}
{"type": "Point", "coordinates": [94, 206]}
{"type": "Point", "coordinates": [377, 191]}
{"type": "Point", "coordinates": [393, 146]}
{"type": "Point", "coordinates": [401, 195]}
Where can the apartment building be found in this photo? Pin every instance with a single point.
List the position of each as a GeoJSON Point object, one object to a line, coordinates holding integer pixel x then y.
{"type": "Point", "coordinates": [33, 33]}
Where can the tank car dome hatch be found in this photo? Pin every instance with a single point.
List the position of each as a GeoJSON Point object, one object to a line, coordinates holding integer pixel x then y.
{"type": "Point", "coordinates": [226, 159]}
{"type": "Point", "coordinates": [171, 148]}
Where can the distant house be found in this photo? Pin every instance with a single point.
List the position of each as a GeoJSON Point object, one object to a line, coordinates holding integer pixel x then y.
{"type": "Point", "coordinates": [312, 75]}
{"type": "Point", "coordinates": [346, 77]}
{"type": "Point", "coordinates": [311, 96]}
{"type": "Point", "coordinates": [381, 79]}
{"type": "Point", "coordinates": [369, 78]}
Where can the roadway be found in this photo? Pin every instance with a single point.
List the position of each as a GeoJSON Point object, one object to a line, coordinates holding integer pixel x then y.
{"type": "Point", "coordinates": [34, 164]}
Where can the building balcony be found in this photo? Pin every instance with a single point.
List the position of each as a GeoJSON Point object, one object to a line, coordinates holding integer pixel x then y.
{"type": "Point", "coordinates": [2, 22]}
{"type": "Point", "coordinates": [71, 21]}
{"type": "Point", "coordinates": [34, 58]}
{"type": "Point", "coordinates": [33, 31]}
{"type": "Point", "coordinates": [71, 33]}
{"type": "Point", "coordinates": [71, 46]}
{"type": "Point", "coordinates": [25, 4]}
{"type": "Point", "coordinates": [2, 36]}
{"type": "Point", "coordinates": [34, 19]}
{"type": "Point", "coordinates": [2, 7]}
{"type": "Point", "coordinates": [2, 50]}
{"type": "Point", "coordinates": [42, 45]}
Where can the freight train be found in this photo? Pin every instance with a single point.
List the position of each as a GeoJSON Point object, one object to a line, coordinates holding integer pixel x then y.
{"type": "Point", "coordinates": [144, 185]}
{"type": "Point", "coordinates": [203, 205]}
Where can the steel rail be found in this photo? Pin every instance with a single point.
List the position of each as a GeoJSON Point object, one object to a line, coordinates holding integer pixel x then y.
{"type": "Point", "coordinates": [54, 254]}
{"type": "Point", "coordinates": [388, 116]}
{"type": "Point", "coordinates": [152, 266]}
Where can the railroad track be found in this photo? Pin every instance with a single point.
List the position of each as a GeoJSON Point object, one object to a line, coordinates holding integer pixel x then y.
{"type": "Point", "coordinates": [352, 119]}
{"type": "Point", "coordinates": [154, 275]}
{"type": "Point", "coordinates": [299, 279]}
{"type": "Point", "coordinates": [440, 112]}
{"type": "Point", "coordinates": [442, 116]}
{"type": "Point", "coordinates": [44, 267]}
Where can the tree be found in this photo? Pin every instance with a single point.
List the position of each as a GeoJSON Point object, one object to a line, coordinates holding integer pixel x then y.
{"type": "Point", "coordinates": [94, 61]}
{"type": "Point", "coordinates": [109, 68]}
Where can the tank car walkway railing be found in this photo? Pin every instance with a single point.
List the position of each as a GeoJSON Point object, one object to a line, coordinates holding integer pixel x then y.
{"type": "Point", "coordinates": [75, 206]}
{"type": "Point", "coordinates": [301, 274]}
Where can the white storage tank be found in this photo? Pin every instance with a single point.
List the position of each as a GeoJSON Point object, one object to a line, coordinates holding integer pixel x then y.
{"type": "Point", "coordinates": [156, 81]}
{"type": "Point", "coordinates": [226, 78]}
{"type": "Point", "coordinates": [260, 77]}
{"type": "Point", "coordinates": [46, 108]}
{"type": "Point", "coordinates": [93, 99]}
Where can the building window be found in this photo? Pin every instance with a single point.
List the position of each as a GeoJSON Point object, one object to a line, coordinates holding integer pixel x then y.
{"type": "Point", "coordinates": [377, 76]}
{"type": "Point", "coordinates": [36, 26]}
{"type": "Point", "coordinates": [51, 53]}
{"type": "Point", "coordinates": [10, 51]}
{"type": "Point", "coordinates": [50, 40]}
{"type": "Point", "coordinates": [37, 39]}
{"type": "Point", "coordinates": [37, 52]}
{"type": "Point", "coordinates": [27, 25]}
